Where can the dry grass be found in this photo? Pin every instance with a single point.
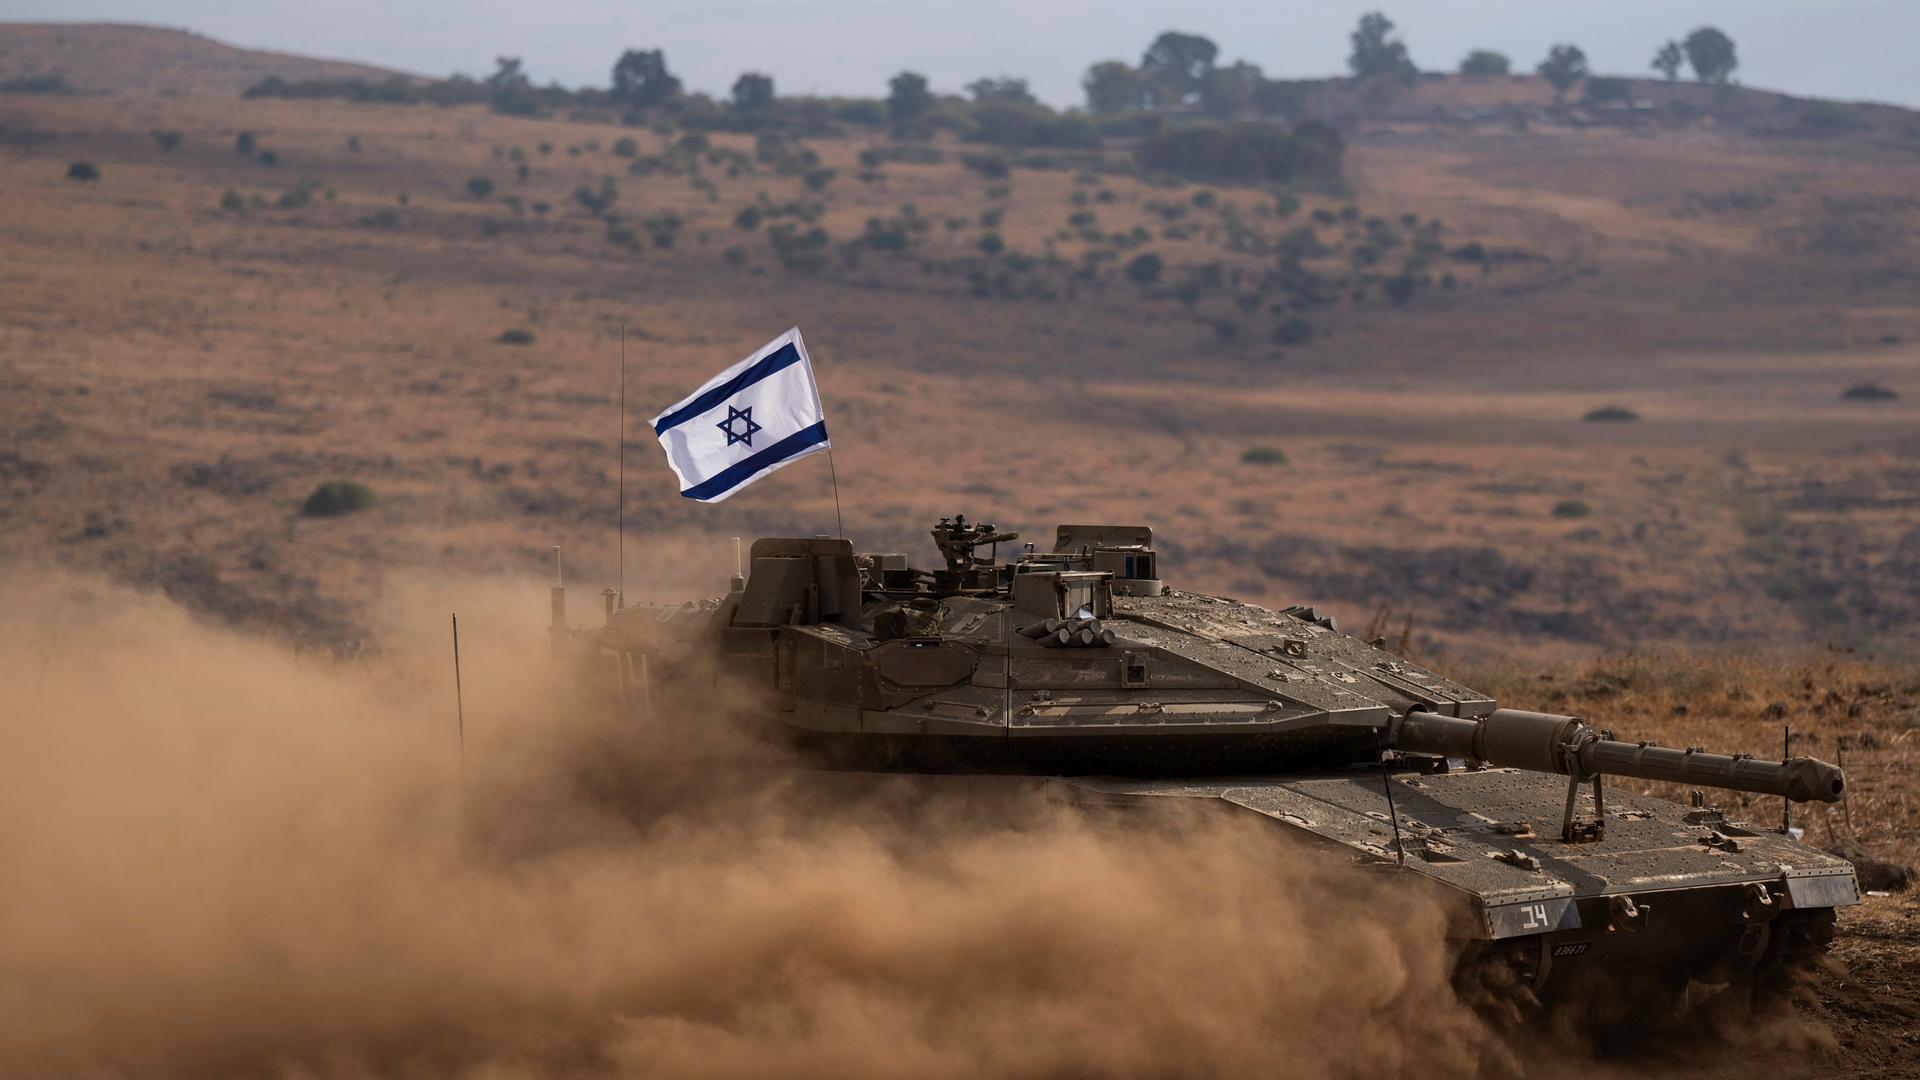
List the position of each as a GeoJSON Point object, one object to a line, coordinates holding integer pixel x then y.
{"type": "Point", "coordinates": [179, 377]}
{"type": "Point", "coordinates": [118, 58]}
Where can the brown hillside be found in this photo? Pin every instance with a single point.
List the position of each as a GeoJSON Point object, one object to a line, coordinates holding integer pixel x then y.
{"type": "Point", "coordinates": [117, 58]}
{"type": "Point", "coordinates": [198, 338]}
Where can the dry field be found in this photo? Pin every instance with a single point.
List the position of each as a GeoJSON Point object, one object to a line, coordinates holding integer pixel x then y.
{"type": "Point", "coordinates": [176, 377]}
{"type": "Point", "coordinates": [179, 377]}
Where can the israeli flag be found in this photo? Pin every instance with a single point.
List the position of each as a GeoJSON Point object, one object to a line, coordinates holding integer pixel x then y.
{"type": "Point", "coordinates": [758, 415]}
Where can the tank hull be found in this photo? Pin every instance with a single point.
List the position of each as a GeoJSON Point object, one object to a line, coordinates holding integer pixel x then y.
{"type": "Point", "coordinates": [1676, 891]}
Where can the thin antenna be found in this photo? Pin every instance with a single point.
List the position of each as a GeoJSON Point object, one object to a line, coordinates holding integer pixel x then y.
{"type": "Point", "coordinates": [1786, 804]}
{"type": "Point", "coordinates": [1386, 781]}
{"type": "Point", "coordinates": [621, 515]}
{"type": "Point", "coordinates": [459, 700]}
{"type": "Point", "coordinates": [837, 523]}
{"type": "Point", "coordinates": [1846, 794]}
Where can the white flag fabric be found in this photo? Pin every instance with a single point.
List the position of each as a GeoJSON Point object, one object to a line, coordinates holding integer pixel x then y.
{"type": "Point", "coordinates": [758, 415]}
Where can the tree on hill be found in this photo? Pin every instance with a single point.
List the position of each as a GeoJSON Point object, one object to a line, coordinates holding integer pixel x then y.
{"type": "Point", "coordinates": [1485, 62]}
{"type": "Point", "coordinates": [1233, 91]}
{"type": "Point", "coordinates": [508, 72]}
{"type": "Point", "coordinates": [1606, 90]}
{"type": "Point", "coordinates": [509, 91]}
{"type": "Point", "coordinates": [1112, 87]}
{"type": "Point", "coordinates": [1711, 54]}
{"type": "Point", "coordinates": [1376, 52]}
{"type": "Point", "coordinates": [1002, 89]}
{"type": "Point", "coordinates": [1669, 60]}
{"type": "Point", "coordinates": [1279, 97]}
{"type": "Point", "coordinates": [1176, 67]}
{"type": "Point", "coordinates": [1564, 66]}
{"type": "Point", "coordinates": [908, 98]}
{"type": "Point", "coordinates": [752, 91]}
{"type": "Point", "coordinates": [641, 79]}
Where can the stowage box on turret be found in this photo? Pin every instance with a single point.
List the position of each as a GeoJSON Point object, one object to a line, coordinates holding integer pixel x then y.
{"type": "Point", "coordinates": [1078, 664]}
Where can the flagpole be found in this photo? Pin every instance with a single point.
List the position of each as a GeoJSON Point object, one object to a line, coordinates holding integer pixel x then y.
{"type": "Point", "coordinates": [621, 514]}
{"type": "Point", "coordinates": [835, 473]}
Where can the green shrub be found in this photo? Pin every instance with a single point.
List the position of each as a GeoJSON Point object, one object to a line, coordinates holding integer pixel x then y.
{"type": "Point", "coordinates": [597, 202]}
{"type": "Point", "coordinates": [518, 335]}
{"type": "Point", "coordinates": [663, 229]}
{"type": "Point", "coordinates": [50, 85]}
{"type": "Point", "coordinates": [1145, 268]}
{"type": "Point", "coordinates": [168, 141]}
{"type": "Point", "coordinates": [991, 166]}
{"type": "Point", "coordinates": [747, 219]}
{"type": "Point", "coordinates": [1868, 391]}
{"type": "Point", "coordinates": [1611, 414]}
{"type": "Point", "coordinates": [300, 195]}
{"type": "Point", "coordinates": [992, 244]}
{"type": "Point", "coordinates": [620, 234]}
{"type": "Point", "coordinates": [479, 187]}
{"type": "Point", "coordinates": [1248, 153]}
{"type": "Point", "coordinates": [83, 170]}
{"type": "Point", "coordinates": [268, 158]}
{"type": "Point", "coordinates": [886, 234]}
{"type": "Point", "coordinates": [1295, 331]}
{"type": "Point", "coordinates": [336, 497]}
{"type": "Point", "coordinates": [626, 147]}
{"type": "Point", "coordinates": [1571, 508]}
{"type": "Point", "coordinates": [244, 144]}
{"type": "Point", "coordinates": [233, 202]}
{"type": "Point", "coordinates": [818, 179]}
{"type": "Point", "coordinates": [798, 251]}
{"type": "Point", "coordinates": [1263, 455]}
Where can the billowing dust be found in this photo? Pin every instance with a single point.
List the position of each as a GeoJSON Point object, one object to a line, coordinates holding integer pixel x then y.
{"type": "Point", "coordinates": [220, 858]}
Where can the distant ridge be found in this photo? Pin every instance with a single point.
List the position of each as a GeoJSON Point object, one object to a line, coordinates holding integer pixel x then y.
{"type": "Point", "coordinates": [123, 58]}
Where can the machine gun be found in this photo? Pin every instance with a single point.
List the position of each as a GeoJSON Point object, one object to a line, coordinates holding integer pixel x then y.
{"type": "Point", "coordinates": [958, 540]}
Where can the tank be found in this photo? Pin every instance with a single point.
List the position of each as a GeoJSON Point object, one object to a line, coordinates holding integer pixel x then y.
{"type": "Point", "coordinates": [1079, 667]}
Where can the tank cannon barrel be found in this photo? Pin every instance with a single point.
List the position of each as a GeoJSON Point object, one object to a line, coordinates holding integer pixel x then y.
{"type": "Point", "coordinates": [1544, 742]}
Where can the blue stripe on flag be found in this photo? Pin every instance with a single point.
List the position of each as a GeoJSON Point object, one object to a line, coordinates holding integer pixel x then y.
{"type": "Point", "coordinates": [786, 356]}
{"type": "Point", "coordinates": [743, 470]}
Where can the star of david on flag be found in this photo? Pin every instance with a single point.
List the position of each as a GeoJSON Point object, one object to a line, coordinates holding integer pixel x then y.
{"type": "Point", "coordinates": [758, 415]}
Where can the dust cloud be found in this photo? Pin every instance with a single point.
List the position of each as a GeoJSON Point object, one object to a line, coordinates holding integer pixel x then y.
{"type": "Point", "coordinates": [218, 858]}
